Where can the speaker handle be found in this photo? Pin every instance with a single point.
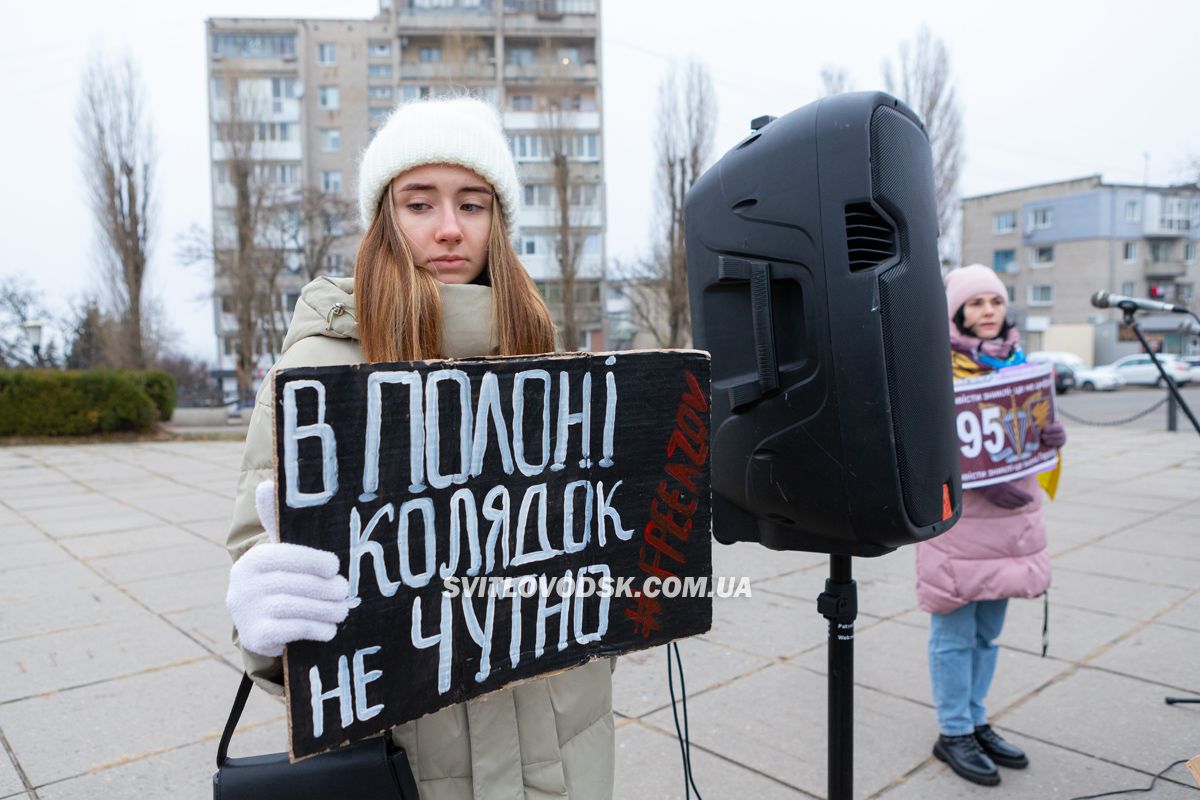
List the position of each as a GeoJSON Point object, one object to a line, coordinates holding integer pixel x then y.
{"type": "Point", "coordinates": [758, 274]}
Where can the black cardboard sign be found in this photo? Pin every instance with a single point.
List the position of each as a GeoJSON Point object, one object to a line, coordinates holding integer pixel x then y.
{"type": "Point", "coordinates": [497, 519]}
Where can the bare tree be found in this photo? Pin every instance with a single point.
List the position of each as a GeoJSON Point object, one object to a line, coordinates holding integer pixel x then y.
{"type": "Point", "coordinates": [835, 80]}
{"type": "Point", "coordinates": [249, 240]}
{"type": "Point", "coordinates": [922, 80]}
{"type": "Point", "coordinates": [20, 305]}
{"type": "Point", "coordinates": [317, 221]}
{"type": "Point", "coordinates": [120, 164]}
{"type": "Point", "coordinates": [686, 117]}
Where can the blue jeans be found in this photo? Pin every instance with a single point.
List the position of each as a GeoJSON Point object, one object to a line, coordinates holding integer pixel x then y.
{"type": "Point", "coordinates": [962, 660]}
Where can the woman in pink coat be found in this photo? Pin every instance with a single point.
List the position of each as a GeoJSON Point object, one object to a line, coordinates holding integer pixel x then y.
{"type": "Point", "coordinates": [996, 551]}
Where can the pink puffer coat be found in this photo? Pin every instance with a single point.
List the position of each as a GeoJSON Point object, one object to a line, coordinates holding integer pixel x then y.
{"type": "Point", "coordinates": [992, 553]}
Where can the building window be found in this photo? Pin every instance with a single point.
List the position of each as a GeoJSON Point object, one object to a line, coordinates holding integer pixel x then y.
{"type": "Point", "coordinates": [375, 114]}
{"type": "Point", "coordinates": [537, 194]}
{"type": "Point", "coordinates": [1041, 294]}
{"type": "Point", "coordinates": [591, 245]}
{"type": "Point", "coordinates": [527, 147]}
{"type": "Point", "coordinates": [1005, 222]}
{"type": "Point", "coordinates": [1041, 218]}
{"type": "Point", "coordinates": [221, 174]}
{"type": "Point", "coordinates": [529, 246]}
{"type": "Point", "coordinates": [1012, 294]}
{"type": "Point", "coordinates": [1041, 256]}
{"type": "Point", "coordinates": [1128, 288]}
{"type": "Point", "coordinates": [379, 70]}
{"type": "Point", "coordinates": [379, 93]}
{"type": "Point", "coordinates": [1004, 260]}
{"type": "Point", "coordinates": [1160, 252]}
{"type": "Point", "coordinates": [333, 263]}
{"type": "Point", "coordinates": [430, 55]}
{"type": "Point", "coordinates": [568, 56]}
{"type": "Point", "coordinates": [289, 174]}
{"type": "Point", "coordinates": [330, 98]}
{"type": "Point", "coordinates": [1189, 252]}
{"type": "Point", "coordinates": [1184, 292]}
{"type": "Point", "coordinates": [521, 102]}
{"type": "Point", "coordinates": [584, 194]}
{"type": "Point", "coordinates": [587, 147]}
{"type": "Point", "coordinates": [1133, 211]}
{"type": "Point", "coordinates": [331, 181]}
{"type": "Point", "coordinates": [331, 140]}
{"type": "Point", "coordinates": [521, 56]}
{"type": "Point", "coordinates": [1129, 253]}
{"type": "Point", "coordinates": [326, 55]}
{"type": "Point", "coordinates": [379, 49]}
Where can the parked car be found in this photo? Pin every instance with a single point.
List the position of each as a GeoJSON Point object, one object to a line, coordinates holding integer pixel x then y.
{"type": "Point", "coordinates": [1064, 377]}
{"type": "Point", "coordinates": [1140, 369]}
{"type": "Point", "coordinates": [1098, 379]}
{"type": "Point", "coordinates": [1193, 363]}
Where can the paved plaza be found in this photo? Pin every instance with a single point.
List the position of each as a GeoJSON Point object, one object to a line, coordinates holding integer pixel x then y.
{"type": "Point", "coordinates": [116, 669]}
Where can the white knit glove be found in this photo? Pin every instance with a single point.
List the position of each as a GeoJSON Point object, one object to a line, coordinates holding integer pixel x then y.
{"type": "Point", "coordinates": [281, 593]}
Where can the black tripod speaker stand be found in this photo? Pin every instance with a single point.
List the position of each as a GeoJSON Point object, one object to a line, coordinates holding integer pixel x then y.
{"type": "Point", "coordinates": [839, 604]}
{"type": "Point", "coordinates": [1131, 321]}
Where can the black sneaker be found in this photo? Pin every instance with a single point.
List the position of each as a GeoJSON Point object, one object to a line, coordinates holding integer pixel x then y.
{"type": "Point", "coordinates": [1000, 751]}
{"type": "Point", "coordinates": [967, 759]}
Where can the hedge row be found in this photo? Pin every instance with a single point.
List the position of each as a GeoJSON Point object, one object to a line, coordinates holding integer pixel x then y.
{"type": "Point", "coordinates": [71, 403]}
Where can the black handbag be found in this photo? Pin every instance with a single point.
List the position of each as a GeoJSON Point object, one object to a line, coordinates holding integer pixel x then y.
{"type": "Point", "coordinates": [373, 769]}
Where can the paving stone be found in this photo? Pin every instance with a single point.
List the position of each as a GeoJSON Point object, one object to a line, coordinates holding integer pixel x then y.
{"type": "Point", "coordinates": [214, 530]}
{"type": "Point", "coordinates": [210, 625]}
{"type": "Point", "coordinates": [46, 580]}
{"type": "Point", "coordinates": [125, 719]}
{"type": "Point", "coordinates": [170, 594]}
{"type": "Point", "coordinates": [95, 521]}
{"type": "Point", "coordinates": [10, 781]}
{"type": "Point", "coordinates": [181, 560]}
{"type": "Point", "coordinates": [1184, 615]}
{"type": "Point", "coordinates": [767, 625]}
{"type": "Point", "coordinates": [1109, 716]}
{"type": "Point", "coordinates": [1074, 633]}
{"type": "Point", "coordinates": [746, 559]}
{"type": "Point", "coordinates": [1125, 598]}
{"type": "Point", "coordinates": [1174, 536]}
{"type": "Point", "coordinates": [79, 656]}
{"type": "Point", "coordinates": [1157, 653]}
{"type": "Point", "coordinates": [1100, 560]}
{"type": "Point", "coordinates": [186, 506]}
{"type": "Point", "coordinates": [125, 542]}
{"type": "Point", "coordinates": [773, 722]}
{"type": "Point", "coordinates": [33, 554]}
{"type": "Point", "coordinates": [1053, 772]}
{"type": "Point", "coordinates": [649, 765]}
{"type": "Point", "coordinates": [180, 774]}
{"type": "Point", "coordinates": [74, 608]}
{"type": "Point", "coordinates": [640, 679]}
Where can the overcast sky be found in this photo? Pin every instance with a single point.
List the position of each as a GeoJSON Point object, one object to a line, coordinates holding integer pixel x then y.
{"type": "Point", "coordinates": [1049, 90]}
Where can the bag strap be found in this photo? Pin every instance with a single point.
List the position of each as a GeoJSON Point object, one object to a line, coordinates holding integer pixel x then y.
{"type": "Point", "coordinates": [235, 713]}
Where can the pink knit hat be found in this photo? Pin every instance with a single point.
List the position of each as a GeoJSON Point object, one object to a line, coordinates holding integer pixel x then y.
{"type": "Point", "coordinates": [965, 282]}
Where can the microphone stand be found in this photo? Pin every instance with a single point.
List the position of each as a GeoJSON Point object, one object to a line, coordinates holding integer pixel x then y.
{"type": "Point", "coordinates": [839, 604]}
{"type": "Point", "coordinates": [1131, 321]}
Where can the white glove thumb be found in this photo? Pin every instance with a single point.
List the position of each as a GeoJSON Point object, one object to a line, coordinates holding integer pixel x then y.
{"type": "Point", "coordinates": [264, 504]}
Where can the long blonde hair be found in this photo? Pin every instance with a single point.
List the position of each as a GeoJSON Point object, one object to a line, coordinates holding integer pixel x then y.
{"type": "Point", "coordinates": [399, 308]}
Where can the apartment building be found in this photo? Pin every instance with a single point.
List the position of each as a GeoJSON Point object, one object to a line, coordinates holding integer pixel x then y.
{"type": "Point", "coordinates": [319, 88]}
{"type": "Point", "coordinates": [1056, 244]}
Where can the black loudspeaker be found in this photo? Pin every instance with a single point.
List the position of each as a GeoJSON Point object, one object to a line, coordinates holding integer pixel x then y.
{"type": "Point", "coordinates": [814, 281]}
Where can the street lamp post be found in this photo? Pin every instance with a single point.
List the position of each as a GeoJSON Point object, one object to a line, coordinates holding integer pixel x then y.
{"type": "Point", "coordinates": [33, 329]}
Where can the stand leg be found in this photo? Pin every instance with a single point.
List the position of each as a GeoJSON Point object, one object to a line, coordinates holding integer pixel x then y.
{"type": "Point", "coordinates": [1171, 387]}
{"type": "Point", "coordinates": [839, 604]}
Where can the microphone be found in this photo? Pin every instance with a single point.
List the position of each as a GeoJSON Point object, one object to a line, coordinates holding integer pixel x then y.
{"type": "Point", "coordinates": [1104, 299]}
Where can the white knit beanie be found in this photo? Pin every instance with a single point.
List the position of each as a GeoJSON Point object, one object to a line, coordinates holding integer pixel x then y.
{"type": "Point", "coordinates": [460, 130]}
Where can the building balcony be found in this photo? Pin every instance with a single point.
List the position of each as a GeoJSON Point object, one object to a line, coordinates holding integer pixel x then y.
{"type": "Point", "coordinates": [263, 151]}
{"type": "Point", "coordinates": [413, 71]}
{"type": "Point", "coordinates": [531, 217]}
{"type": "Point", "coordinates": [459, 16]}
{"type": "Point", "coordinates": [1170, 228]}
{"type": "Point", "coordinates": [1164, 269]}
{"type": "Point", "coordinates": [551, 73]}
{"type": "Point", "coordinates": [537, 120]}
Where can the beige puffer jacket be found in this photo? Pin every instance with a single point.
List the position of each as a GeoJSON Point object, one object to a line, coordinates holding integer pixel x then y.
{"type": "Point", "coordinates": [548, 738]}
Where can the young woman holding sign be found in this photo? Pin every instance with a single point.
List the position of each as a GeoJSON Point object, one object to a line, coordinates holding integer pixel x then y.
{"type": "Point", "coordinates": [996, 551]}
{"type": "Point", "coordinates": [436, 276]}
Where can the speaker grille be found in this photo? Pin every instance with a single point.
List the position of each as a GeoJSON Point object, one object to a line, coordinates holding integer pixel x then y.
{"type": "Point", "coordinates": [902, 178]}
{"type": "Point", "coordinates": [870, 240]}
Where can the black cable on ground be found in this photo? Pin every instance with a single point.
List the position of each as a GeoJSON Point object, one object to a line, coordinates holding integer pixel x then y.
{"type": "Point", "coordinates": [685, 743]}
{"type": "Point", "coordinates": [1134, 791]}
